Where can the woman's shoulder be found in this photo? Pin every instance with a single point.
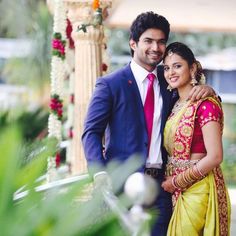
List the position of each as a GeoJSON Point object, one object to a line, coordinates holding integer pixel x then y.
{"type": "Point", "coordinates": [210, 104]}
{"type": "Point", "coordinates": [209, 109]}
{"type": "Point", "coordinates": [213, 100]}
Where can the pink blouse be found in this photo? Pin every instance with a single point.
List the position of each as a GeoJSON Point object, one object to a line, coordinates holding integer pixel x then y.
{"type": "Point", "coordinates": [207, 111]}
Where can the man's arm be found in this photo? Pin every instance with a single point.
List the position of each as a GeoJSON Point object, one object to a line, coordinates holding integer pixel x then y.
{"type": "Point", "coordinates": [97, 118]}
{"type": "Point", "coordinates": [201, 91]}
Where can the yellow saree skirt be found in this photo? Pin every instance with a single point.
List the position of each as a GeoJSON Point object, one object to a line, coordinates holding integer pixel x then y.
{"type": "Point", "coordinates": [199, 211]}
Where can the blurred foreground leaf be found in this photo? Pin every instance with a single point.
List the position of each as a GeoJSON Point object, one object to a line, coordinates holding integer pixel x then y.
{"type": "Point", "coordinates": [60, 211]}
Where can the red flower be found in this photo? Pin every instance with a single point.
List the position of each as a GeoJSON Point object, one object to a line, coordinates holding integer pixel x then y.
{"type": "Point", "coordinates": [58, 159]}
{"type": "Point", "coordinates": [59, 112]}
{"type": "Point", "coordinates": [62, 51]}
{"type": "Point", "coordinates": [70, 133]}
{"type": "Point", "coordinates": [104, 67]}
{"type": "Point", "coordinates": [56, 106]}
{"type": "Point", "coordinates": [52, 106]}
{"type": "Point", "coordinates": [56, 43]}
{"type": "Point", "coordinates": [68, 34]}
{"type": "Point", "coordinates": [58, 46]}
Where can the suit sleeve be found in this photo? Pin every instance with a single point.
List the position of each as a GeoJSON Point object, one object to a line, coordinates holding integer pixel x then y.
{"type": "Point", "coordinates": [98, 115]}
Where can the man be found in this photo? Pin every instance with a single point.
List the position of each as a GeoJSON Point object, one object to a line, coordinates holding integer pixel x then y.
{"type": "Point", "coordinates": [119, 105]}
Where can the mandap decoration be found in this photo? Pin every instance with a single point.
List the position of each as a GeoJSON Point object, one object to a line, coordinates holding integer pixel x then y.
{"type": "Point", "coordinates": [57, 78]}
{"type": "Point", "coordinates": [62, 47]}
{"type": "Point", "coordinates": [97, 17]}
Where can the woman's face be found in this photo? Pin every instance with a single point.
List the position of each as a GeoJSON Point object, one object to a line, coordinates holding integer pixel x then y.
{"type": "Point", "coordinates": [177, 72]}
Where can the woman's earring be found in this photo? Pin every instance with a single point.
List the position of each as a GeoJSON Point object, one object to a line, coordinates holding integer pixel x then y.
{"type": "Point", "coordinates": [193, 81]}
{"type": "Point", "coordinates": [169, 88]}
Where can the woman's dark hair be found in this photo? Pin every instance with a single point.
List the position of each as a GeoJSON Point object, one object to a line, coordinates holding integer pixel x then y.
{"type": "Point", "coordinates": [186, 53]}
{"type": "Point", "coordinates": [147, 21]}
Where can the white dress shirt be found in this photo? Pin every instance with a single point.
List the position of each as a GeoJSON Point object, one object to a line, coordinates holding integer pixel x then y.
{"type": "Point", "coordinates": [154, 159]}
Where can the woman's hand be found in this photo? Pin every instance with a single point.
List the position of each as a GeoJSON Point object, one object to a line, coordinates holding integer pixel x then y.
{"type": "Point", "coordinates": [167, 184]}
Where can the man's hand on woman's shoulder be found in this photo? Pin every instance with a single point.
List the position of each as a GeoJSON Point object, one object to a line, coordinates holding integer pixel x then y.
{"type": "Point", "coordinates": [201, 91]}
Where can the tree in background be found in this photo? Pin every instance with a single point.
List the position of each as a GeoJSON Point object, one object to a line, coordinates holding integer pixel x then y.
{"type": "Point", "coordinates": [31, 20]}
{"type": "Point", "coordinates": [200, 42]}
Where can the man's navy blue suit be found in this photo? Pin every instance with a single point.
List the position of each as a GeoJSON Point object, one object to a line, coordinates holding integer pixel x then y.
{"type": "Point", "coordinates": [116, 108]}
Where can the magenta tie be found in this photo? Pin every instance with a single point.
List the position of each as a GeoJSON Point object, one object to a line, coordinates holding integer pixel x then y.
{"type": "Point", "coordinates": [149, 106]}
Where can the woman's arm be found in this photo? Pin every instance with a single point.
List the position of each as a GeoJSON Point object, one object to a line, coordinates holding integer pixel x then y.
{"type": "Point", "coordinates": [212, 137]}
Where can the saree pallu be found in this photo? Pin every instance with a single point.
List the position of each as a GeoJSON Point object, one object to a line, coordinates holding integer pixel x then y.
{"type": "Point", "coordinates": [203, 208]}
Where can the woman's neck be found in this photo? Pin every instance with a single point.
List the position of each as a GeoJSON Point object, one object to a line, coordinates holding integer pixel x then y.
{"type": "Point", "coordinates": [184, 93]}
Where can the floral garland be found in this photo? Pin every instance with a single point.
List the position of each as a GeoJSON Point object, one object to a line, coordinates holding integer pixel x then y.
{"type": "Point", "coordinates": [58, 46]}
{"type": "Point", "coordinates": [68, 34]}
{"type": "Point", "coordinates": [97, 17]}
{"type": "Point", "coordinates": [72, 101]}
{"type": "Point", "coordinates": [57, 78]}
{"type": "Point", "coordinates": [56, 106]}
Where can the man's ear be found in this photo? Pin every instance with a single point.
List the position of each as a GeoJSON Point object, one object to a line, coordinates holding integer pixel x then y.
{"type": "Point", "coordinates": [132, 44]}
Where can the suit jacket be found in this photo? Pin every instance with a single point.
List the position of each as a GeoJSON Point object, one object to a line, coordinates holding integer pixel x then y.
{"type": "Point", "coordinates": [116, 108]}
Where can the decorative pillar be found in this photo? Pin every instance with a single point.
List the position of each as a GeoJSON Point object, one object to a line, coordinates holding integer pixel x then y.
{"type": "Point", "coordinates": [88, 67]}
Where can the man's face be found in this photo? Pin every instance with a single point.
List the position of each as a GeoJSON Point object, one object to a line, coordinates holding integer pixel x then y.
{"type": "Point", "coordinates": [149, 50]}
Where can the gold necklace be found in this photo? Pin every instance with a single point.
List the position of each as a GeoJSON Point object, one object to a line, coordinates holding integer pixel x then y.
{"type": "Point", "coordinates": [178, 106]}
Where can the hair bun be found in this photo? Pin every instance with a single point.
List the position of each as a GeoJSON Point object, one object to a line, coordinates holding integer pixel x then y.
{"type": "Point", "coordinates": [200, 77]}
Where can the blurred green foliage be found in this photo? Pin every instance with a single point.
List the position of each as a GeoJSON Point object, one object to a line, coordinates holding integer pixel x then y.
{"type": "Point", "coordinates": [229, 141]}
{"type": "Point", "coordinates": [59, 212]}
{"type": "Point", "coordinates": [200, 42]}
{"type": "Point", "coordinates": [17, 18]}
{"type": "Point", "coordinates": [34, 22]}
{"type": "Point", "coordinates": [31, 123]}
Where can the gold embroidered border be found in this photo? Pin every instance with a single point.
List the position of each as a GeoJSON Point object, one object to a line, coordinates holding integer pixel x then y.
{"type": "Point", "coordinates": [222, 201]}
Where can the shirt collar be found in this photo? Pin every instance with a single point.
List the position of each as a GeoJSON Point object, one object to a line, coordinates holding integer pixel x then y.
{"type": "Point", "coordinates": [140, 74]}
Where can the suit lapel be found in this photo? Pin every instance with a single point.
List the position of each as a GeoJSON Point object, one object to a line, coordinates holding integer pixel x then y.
{"type": "Point", "coordinates": [134, 91]}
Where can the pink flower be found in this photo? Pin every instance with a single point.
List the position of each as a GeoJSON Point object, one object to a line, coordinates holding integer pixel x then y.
{"type": "Point", "coordinates": [56, 43]}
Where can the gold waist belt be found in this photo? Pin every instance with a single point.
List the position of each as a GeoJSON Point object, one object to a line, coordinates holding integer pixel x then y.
{"type": "Point", "coordinates": [176, 166]}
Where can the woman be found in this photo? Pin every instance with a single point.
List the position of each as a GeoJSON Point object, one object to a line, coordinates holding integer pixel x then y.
{"type": "Point", "coordinates": [193, 140]}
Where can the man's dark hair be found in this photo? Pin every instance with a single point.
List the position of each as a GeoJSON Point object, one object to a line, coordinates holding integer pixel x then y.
{"type": "Point", "coordinates": [146, 21]}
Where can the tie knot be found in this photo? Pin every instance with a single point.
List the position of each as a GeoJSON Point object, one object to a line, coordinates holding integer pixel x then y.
{"type": "Point", "coordinates": [151, 77]}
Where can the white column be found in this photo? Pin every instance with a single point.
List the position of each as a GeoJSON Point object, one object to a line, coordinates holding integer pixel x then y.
{"type": "Point", "coordinates": [88, 67]}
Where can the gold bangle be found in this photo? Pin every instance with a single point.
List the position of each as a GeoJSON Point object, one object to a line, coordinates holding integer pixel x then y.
{"type": "Point", "coordinates": [199, 171]}
{"type": "Point", "coordinates": [173, 182]}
